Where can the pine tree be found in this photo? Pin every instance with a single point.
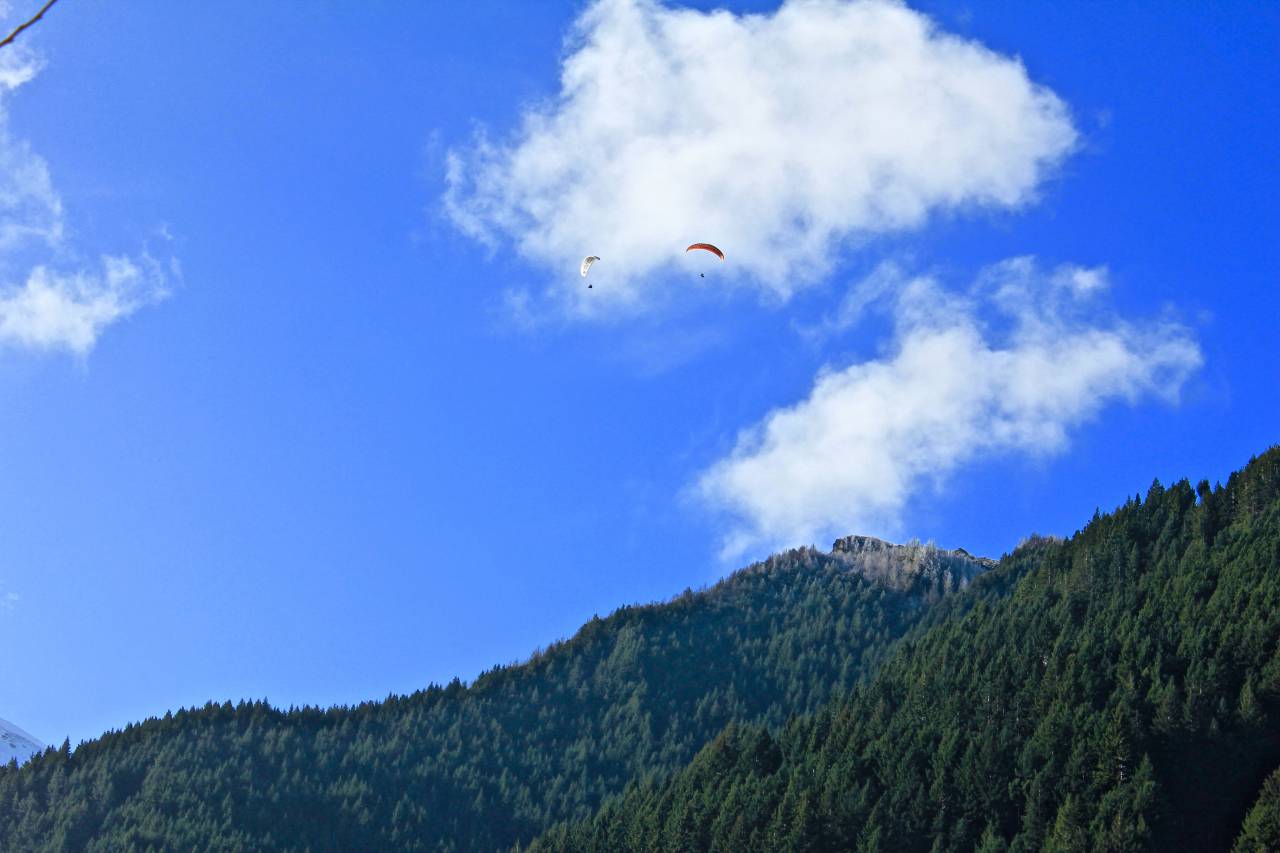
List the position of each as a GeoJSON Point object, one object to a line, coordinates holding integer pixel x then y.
{"type": "Point", "coordinates": [1261, 830]}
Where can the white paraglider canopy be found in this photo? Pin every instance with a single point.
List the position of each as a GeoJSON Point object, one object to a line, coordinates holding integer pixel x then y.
{"type": "Point", "coordinates": [587, 262]}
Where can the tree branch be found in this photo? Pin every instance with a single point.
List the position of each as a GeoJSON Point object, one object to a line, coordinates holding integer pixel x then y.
{"type": "Point", "coordinates": [13, 35]}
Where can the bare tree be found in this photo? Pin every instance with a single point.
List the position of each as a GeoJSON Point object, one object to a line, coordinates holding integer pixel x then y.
{"type": "Point", "coordinates": [13, 35]}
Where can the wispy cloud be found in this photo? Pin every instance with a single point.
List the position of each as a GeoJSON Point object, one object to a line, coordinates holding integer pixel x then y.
{"type": "Point", "coordinates": [779, 137]}
{"type": "Point", "coordinates": [1010, 365]}
{"type": "Point", "coordinates": [30, 209]}
{"type": "Point", "coordinates": [8, 600]}
{"type": "Point", "coordinates": [43, 304]}
{"type": "Point", "coordinates": [884, 280]}
{"type": "Point", "coordinates": [69, 311]}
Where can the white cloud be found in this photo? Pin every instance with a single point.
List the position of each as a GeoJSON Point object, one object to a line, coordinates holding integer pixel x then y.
{"type": "Point", "coordinates": [884, 280]}
{"type": "Point", "coordinates": [777, 137]}
{"type": "Point", "coordinates": [53, 311]}
{"type": "Point", "coordinates": [871, 435]}
{"type": "Point", "coordinates": [29, 207]}
{"type": "Point", "coordinates": [44, 308]}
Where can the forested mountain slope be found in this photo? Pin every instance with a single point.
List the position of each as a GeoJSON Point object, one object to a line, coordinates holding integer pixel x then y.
{"type": "Point", "coordinates": [481, 767]}
{"type": "Point", "coordinates": [1124, 696]}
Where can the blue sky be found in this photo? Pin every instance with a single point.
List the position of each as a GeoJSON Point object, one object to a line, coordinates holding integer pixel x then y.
{"type": "Point", "coordinates": [310, 437]}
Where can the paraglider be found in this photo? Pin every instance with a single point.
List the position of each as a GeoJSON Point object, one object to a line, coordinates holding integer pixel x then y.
{"type": "Point", "coordinates": [706, 247]}
{"type": "Point", "coordinates": [586, 265]}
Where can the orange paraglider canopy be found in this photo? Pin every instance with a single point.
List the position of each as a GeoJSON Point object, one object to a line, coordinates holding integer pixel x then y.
{"type": "Point", "coordinates": [706, 247]}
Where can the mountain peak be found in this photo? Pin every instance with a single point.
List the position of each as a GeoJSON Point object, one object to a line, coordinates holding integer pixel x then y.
{"type": "Point", "coordinates": [905, 566]}
{"type": "Point", "coordinates": [15, 743]}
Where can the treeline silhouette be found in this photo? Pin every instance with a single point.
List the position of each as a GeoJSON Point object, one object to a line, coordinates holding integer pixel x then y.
{"type": "Point", "coordinates": [1123, 696]}
{"type": "Point", "coordinates": [485, 766]}
{"type": "Point", "coordinates": [1118, 690]}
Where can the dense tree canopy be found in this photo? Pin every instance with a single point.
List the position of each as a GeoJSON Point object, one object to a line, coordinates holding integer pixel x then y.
{"type": "Point", "coordinates": [484, 766]}
{"type": "Point", "coordinates": [1118, 690]}
{"type": "Point", "coordinates": [1124, 696]}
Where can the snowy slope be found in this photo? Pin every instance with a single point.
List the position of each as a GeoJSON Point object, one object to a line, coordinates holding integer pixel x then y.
{"type": "Point", "coordinates": [15, 743]}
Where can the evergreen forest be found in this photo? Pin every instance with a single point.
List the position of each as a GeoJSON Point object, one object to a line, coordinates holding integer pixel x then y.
{"type": "Point", "coordinates": [491, 764]}
{"type": "Point", "coordinates": [1124, 695]}
{"type": "Point", "coordinates": [1116, 690]}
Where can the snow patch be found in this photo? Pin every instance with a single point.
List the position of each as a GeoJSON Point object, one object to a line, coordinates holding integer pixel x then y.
{"type": "Point", "coordinates": [16, 744]}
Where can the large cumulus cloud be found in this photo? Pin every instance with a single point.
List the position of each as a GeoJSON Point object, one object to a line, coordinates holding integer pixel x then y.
{"type": "Point", "coordinates": [775, 136]}
{"type": "Point", "coordinates": [1009, 365]}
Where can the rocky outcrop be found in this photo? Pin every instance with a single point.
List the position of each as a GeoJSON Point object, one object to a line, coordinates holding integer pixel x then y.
{"type": "Point", "coordinates": [913, 567]}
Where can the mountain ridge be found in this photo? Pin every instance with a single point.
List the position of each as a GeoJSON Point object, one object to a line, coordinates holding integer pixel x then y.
{"type": "Point", "coordinates": [872, 697]}
{"type": "Point", "coordinates": [493, 763]}
{"type": "Point", "coordinates": [1122, 694]}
